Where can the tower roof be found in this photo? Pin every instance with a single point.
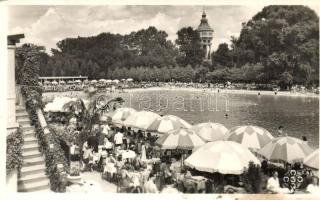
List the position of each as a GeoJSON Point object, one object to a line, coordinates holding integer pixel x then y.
{"type": "Point", "coordinates": [204, 25]}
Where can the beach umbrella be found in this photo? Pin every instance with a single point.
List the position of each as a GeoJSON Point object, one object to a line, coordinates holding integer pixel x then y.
{"type": "Point", "coordinates": [181, 138]}
{"type": "Point", "coordinates": [253, 137]}
{"type": "Point", "coordinates": [77, 81]}
{"type": "Point", "coordinates": [288, 149]}
{"type": "Point", "coordinates": [115, 81]}
{"type": "Point", "coordinates": [58, 103]}
{"type": "Point", "coordinates": [129, 79]}
{"type": "Point", "coordinates": [108, 81]}
{"type": "Point", "coordinates": [102, 80]}
{"type": "Point", "coordinates": [312, 160]}
{"type": "Point", "coordinates": [225, 157]}
{"type": "Point", "coordinates": [123, 79]}
{"type": "Point", "coordinates": [70, 82]}
{"type": "Point", "coordinates": [46, 82]}
{"type": "Point", "coordinates": [168, 123]}
{"type": "Point", "coordinates": [141, 120]}
{"type": "Point", "coordinates": [210, 132]}
{"type": "Point", "coordinates": [121, 114]}
{"type": "Point", "coordinates": [94, 81]}
{"type": "Point", "coordinates": [54, 82]}
{"type": "Point", "coordinates": [62, 82]}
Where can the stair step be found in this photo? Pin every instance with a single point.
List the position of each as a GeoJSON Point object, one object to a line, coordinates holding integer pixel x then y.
{"type": "Point", "coordinates": [36, 186]}
{"type": "Point", "coordinates": [33, 161]}
{"type": "Point", "coordinates": [20, 110]}
{"type": "Point", "coordinates": [30, 147]}
{"type": "Point", "coordinates": [28, 134]}
{"type": "Point", "coordinates": [22, 114]}
{"type": "Point", "coordinates": [24, 122]}
{"type": "Point", "coordinates": [31, 154]}
{"type": "Point", "coordinates": [27, 128]}
{"type": "Point", "coordinates": [31, 139]}
{"type": "Point", "coordinates": [34, 169]}
{"type": "Point", "coordinates": [31, 178]}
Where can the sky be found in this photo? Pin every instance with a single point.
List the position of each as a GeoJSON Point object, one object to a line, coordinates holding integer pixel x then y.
{"type": "Point", "coordinates": [46, 25]}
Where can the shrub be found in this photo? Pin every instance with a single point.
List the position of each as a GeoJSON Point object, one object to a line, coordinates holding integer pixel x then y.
{"type": "Point", "coordinates": [14, 151]}
{"type": "Point", "coordinates": [252, 178]}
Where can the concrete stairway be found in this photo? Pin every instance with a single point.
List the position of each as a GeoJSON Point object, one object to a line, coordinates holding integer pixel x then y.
{"type": "Point", "coordinates": [32, 177]}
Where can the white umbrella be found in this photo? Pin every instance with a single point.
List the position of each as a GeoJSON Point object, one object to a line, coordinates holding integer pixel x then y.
{"type": "Point", "coordinates": [62, 82]}
{"type": "Point", "coordinates": [168, 123]}
{"type": "Point", "coordinates": [225, 157]}
{"type": "Point", "coordinates": [108, 81]}
{"type": "Point", "coordinates": [77, 81]}
{"type": "Point", "coordinates": [54, 82]}
{"type": "Point", "coordinates": [102, 80]}
{"type": "Point", "coordinates": [288, 149]}
{"type": "Point", "coordinates": [57, 104]}
{"type": "Point", "coordinates": [141, 120]}
{"type": "Point", "coordinates": [181, 138]}
{"type": "Point", "coordinates": [47, 82]}
{"type": "Point", "coordinates": [210, 131]}
{"type": "Point", "coordinates": [121, 114]}
{"type": "Point", "coordinates": [115, 81]}
{"type": "Point", "coordinates": [129, 79]}
{"type": "Point", "coordinates": [94, 81]}
{"type": "Point", "coordinates": [70, 82]}
{"type": "Point", "coordinates": [253, 137]}
{"type": "Point", "coordinates": [312, 160]}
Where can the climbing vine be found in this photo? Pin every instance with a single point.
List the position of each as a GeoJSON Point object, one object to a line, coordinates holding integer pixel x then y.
{"type": "Point", "coordinates": [14, 151]}
{"type": "Point", "coordinates": [27, 72]}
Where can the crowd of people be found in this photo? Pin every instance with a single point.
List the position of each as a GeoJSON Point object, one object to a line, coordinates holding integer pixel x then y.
{"type": "Point", "coordinates": [134, 163]}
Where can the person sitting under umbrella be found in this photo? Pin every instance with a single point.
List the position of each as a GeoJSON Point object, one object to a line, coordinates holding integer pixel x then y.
{"type": "Point", "coordinates": [273, 185]}
{"type": "Point", "coordinates": [313, 187]}
{"type": "Point", "coordinates": [150, 186]}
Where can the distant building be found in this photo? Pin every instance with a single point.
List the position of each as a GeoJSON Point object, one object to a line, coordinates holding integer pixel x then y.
{"type": "Point", "coordinates": [206, 35]}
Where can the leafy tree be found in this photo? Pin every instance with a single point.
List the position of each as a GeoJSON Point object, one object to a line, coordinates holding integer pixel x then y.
{"type": "Point", "coordinates": [282, 39]}
{"type": "Point", "coordinates": [222, 56]}
{"type": "Point", "coordinates": [189, 47]}
{"type": "Point", "coordinates": [285, 80]}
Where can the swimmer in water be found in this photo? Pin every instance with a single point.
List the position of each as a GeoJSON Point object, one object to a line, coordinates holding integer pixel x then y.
{"type": "Point", "coordinates": [226, 115]}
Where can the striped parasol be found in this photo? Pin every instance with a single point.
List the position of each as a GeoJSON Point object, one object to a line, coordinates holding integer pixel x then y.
{"type": "Point", "coordinates": [312, 160]}
{"type": "Point", "coordinates": [253, 137]}
{"type": "Point", "coordinates": [141, 120]}
{"type": "Point", "coordinates": [288, 149]}
{"type": "Point", "coordinates": [181, 138]}
{"type": "Point", "coordinates": [121, 114]}
{"type": "Point", "coordinates": [168, 123]}
{"type": "Point", "coordinates": [225, 157]}
{"type": "Point", "coordinates": [210, 132]}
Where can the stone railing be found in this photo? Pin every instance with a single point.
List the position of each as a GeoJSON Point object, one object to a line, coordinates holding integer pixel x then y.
{"type": "Point", "coordinates": [42, 122]}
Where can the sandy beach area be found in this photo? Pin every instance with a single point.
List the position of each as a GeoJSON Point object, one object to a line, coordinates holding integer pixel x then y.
{"type": "Point", "coordinates": [225, 91]}
{"type": "Point", "coordinates": [48, 96]}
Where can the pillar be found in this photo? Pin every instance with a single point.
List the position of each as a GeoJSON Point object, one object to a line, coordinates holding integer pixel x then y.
{"type": "Point", "coordinates": [12, 124]}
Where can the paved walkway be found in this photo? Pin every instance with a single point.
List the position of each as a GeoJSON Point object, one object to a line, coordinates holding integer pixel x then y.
{"type": "Point", "coordinates": [96, 177]}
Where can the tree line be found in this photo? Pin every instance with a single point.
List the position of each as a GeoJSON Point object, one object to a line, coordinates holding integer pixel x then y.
{"type": "Point", "coordinates": [280, 44]}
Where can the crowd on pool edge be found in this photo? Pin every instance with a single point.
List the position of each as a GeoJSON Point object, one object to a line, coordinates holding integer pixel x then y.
{"type": "Point", "coordinates": [152, 170]}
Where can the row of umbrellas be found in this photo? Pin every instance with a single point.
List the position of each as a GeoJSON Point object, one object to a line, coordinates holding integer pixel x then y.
{"type": "Point", "coordinates": [61, 82]}
{"type": "Point", "coordinates": [92, 81]}
{"type": "Point", "coordinates": [215, 147]}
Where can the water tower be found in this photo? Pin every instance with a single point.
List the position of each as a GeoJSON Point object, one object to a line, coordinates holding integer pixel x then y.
{"type": "Point", "coordinates": [206, 35]}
